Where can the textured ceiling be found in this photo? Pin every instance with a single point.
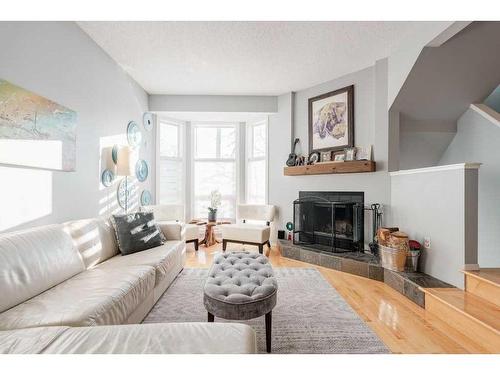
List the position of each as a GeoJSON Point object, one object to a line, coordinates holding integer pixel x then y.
{"type": "Point", "coordinates": [245, 58]}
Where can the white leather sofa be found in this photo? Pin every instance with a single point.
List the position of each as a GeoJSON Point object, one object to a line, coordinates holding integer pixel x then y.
{"type": "Point", "coordinates": [72, 275]}
{"type": "Point", "coordinates": [166, 338]}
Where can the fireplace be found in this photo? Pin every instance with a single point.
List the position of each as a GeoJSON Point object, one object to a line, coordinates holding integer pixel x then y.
{"type": "Point", "coordinates": [329, 221]}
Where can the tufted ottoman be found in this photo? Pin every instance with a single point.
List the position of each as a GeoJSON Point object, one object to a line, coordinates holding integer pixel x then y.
{"type": "Point", "coordinates": [241, 286]}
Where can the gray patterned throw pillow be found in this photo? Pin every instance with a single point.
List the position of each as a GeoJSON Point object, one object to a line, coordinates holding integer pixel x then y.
{"type": "Point", "coordinates": [137, 232]}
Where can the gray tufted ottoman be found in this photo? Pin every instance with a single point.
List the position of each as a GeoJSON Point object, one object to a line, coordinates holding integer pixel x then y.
{"type": "Point", "coordinates": [241, 286]}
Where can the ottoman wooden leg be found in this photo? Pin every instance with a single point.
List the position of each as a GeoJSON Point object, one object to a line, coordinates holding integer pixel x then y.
{"type": "Point", "coordinates": [261, 248]}
{"type": "Point", "coordinates": [210, 318]}
{"type": "Point", "coordinates": [268, 331]}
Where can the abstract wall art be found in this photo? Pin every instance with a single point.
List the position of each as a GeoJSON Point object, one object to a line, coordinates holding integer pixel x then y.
{"type": "Point", "coordinates": [35, 131]}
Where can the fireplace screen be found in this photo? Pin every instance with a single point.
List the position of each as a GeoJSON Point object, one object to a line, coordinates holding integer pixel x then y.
{"type": "Point", "coordinates": [334, 226]}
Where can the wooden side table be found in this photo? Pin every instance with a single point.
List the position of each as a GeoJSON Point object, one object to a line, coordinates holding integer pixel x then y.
{"type": "Point", "coordinates": [210, 239]}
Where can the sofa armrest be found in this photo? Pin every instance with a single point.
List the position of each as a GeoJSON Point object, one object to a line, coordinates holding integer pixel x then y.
{"type": "Point", "coordinates": [174, 231]}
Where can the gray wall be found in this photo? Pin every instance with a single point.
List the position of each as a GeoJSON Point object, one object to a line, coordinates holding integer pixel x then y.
{"type": "Point", "coordinates": [438, 205]}
{"type": "Point", "coordinates": [493, 100]}
{"type": "Point", "coordinates": [212, 103]}
{"type": "Point", "coordinates": [477, 140]}
{"type": "Point", "coordinates": [59, 61]}
{"type": "Point", "coordinates": [422, 143]}
{"type": "Point", "coordinates": [370, 97]}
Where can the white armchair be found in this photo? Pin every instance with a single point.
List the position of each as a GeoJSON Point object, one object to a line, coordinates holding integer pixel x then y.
{"type": "Point", "coordinates": [246, 233]}
{"type": "Point", "coordinates": [175, 212]}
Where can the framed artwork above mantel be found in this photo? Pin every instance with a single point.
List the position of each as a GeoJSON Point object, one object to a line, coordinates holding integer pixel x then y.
{"type": "Point", "coordinates": [331, 120]}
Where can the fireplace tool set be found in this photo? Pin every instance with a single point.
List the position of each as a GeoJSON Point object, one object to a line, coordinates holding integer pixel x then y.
{"type": "Point", "coordinates": [376, 223]}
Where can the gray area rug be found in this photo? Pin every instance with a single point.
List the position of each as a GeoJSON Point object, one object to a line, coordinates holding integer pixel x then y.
{"type": "Point", "coordinates": [310, 316]}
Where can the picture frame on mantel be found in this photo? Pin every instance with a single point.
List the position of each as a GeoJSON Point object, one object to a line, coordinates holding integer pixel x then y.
{"type": "Point", "coordinates": [331, 120]}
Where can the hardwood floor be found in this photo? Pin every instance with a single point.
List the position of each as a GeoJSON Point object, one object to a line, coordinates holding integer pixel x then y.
{"type": "Point", "coordinates": [402, 325]}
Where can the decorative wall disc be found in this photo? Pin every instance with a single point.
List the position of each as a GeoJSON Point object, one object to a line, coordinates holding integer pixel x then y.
{"type": "Point", "coordinates": [147, 120]}
{"type": "Point", "coordinates": [134, 135]}
{"type": "Point", "coordinates": [107, 177]}
{"type": "Point", "coordinates": [124, 193]}
{"type": "Point", "coordinates": [142, 170]}
{"type": "Point", "coordinates": [146, 198]}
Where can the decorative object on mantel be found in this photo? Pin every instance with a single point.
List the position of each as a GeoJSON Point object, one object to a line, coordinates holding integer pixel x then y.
{"type": "Point", "coordinates": [215, 202]}
{"type": "Point", "coordinates": [141, 170]}
{"type": "Point", "coordinates": [314, 157]}
{"type": "Point", "coordinates": [301, 160]}
{"type": "Point", "coordinates": [331, 120]}
{"type": "Point", "coordinates": [339, 157]}
{"type": "Point", "coordinates": [331, 167]}
{"type": "Point", "coordinates": [364, 153]}
{"type": "Point", "coordinates": [147, 120]}
{"type": "Point", "coordinates": [28, 119]}
{"type": "Point", "coordinates": [146, 198]}
{"type": "Point", "coordinates": [134, 135]}
{"type": "Point", "coordinates": [326, 156]}
{"type": "Point", "coordinates": [350, 153]}
{"type": "Point", "coordinates": [292, 157]}
{"type": "Point", "coordinates": [107, 177]}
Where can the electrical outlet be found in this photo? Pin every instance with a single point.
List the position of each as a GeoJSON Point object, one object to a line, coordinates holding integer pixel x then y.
{"type": "Point", "coordinates": [427, 242]}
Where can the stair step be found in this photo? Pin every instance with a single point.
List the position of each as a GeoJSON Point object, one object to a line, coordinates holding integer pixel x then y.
{"type": "Point", "coordinates": [472, 315]}
{"type": "Point", "coordinates": [484, 283]}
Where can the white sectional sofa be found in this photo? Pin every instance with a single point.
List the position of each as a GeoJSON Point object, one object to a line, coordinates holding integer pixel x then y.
{"type": "Point", "coordinates": [58, 277]}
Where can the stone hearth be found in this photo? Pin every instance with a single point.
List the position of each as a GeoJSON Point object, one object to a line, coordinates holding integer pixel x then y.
{"type": "Point", "coordinates": [365, 265]}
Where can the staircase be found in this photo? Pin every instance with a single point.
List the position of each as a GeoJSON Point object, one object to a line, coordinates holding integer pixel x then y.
{"type": "Point", "coordinates": [473, 312]}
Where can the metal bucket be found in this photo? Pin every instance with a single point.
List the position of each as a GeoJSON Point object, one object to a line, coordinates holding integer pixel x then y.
{"type": "Point", "coordinates": [412, 261]}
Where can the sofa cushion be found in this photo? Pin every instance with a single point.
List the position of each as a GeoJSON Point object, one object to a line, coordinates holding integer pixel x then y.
{"type": "Point", "coordinates": [136, 232]}
{"type": "Point", "coordinates": [94, 239]}
{"type": "Point", "coordinates": [246, 232]}
{"type": "Point", "coordinates": [173, 230]}
{"type": "Point", "coordinates": [34, 260]}
{"type": "Point", "coordinates": [163, 338]}
{"type": "Point", "coordinates": [94, 297]}
{"type": "Point", "coordinates": [162, 258]}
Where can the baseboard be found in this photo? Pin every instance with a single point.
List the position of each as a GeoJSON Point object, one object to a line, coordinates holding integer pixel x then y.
{"type": "Point", "coordinates": [471, 267]}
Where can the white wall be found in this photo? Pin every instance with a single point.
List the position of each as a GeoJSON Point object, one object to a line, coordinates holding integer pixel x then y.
{"type": "Point", "coordinates": [370, 92]}
{"type": "Point", "coordinates": [212, 103]}
{"type": "Point", "coordinates": [438, 204]}
{"type": "Point", "coordinates": [59, 61]}
{"type": "Point", "coordinates": [477, 140]}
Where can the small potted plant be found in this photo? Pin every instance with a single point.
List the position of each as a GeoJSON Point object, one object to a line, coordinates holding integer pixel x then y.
{"type": "Point", "coordinates": [215, 201]}
{"type": "Point", "coordinates": [413, 255]}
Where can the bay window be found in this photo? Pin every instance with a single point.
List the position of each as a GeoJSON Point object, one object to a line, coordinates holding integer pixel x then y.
{"type": "Point", "coordinates": [214, 167]}
{"type": "Point", "coordinates": [171, 162]}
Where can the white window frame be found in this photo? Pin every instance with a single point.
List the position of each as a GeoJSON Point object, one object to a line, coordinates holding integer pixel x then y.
{"type": "Point", "coordinates": [249, 155]}
{"type": "Point", "coordinates": [236, 160]}
{"type": "Point", "coordinates": [181, 139]}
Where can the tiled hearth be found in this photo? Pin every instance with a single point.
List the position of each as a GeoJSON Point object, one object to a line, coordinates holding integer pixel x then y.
{"type": "Point", "coordinates": [365, 265]}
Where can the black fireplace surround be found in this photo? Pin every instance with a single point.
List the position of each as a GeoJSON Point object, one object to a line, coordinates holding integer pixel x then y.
{"type": "Point", "coordinates": [329, 221]}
